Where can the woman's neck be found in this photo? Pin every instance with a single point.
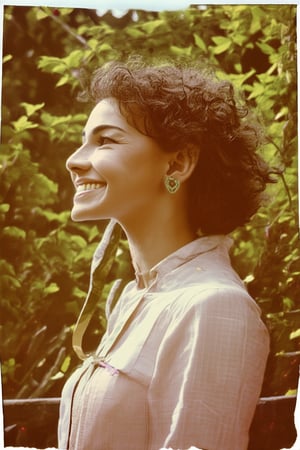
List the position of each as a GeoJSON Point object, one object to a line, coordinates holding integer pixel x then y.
{"type": "Point", "coordinates": [158, 230]}
{"type": "Point", "coordinates": [151, 243]}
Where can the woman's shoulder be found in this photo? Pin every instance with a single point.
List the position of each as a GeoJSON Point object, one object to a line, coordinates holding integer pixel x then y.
{"type": "Point", "coordinates": [213, 295]}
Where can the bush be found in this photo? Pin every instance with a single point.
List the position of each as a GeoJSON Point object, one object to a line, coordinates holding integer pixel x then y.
{"type": "Point", "coordinates": [45, 258]}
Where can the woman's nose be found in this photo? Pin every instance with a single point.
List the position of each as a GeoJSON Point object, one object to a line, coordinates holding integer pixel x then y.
{"type": "Point", "coordinates": [78, 161]}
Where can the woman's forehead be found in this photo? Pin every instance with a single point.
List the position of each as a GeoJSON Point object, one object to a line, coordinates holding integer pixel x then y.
{"type": "Point", "coordinates": [105, 114]}
{"type": "Point", "coordinates": [111, 113]}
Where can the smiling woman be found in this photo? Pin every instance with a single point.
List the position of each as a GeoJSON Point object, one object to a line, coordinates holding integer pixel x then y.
{"type": "Point", "coordinates": [170, 155]}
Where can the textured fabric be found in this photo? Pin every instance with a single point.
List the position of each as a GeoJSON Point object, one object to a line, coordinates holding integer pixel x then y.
{"type": "Point", "coordinates": [181, 363]}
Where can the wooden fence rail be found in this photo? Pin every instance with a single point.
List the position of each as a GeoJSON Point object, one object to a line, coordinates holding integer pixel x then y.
{"type": "Point", "coordinates": [33, 423]}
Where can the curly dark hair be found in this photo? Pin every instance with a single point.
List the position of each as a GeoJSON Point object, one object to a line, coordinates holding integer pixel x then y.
{"type": "Point", "coordinates": [181, 106]}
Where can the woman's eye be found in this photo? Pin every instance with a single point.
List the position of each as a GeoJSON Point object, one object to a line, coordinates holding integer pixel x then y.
{"type": "Point", "coordinates": [105, 140]}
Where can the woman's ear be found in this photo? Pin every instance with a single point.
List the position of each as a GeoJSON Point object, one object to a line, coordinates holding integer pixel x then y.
{"type": "Point", "coordinates": [183, 163]}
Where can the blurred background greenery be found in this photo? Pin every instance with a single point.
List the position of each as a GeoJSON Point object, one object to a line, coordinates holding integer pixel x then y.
{"type": "Point", "coordinates": [45, 257]}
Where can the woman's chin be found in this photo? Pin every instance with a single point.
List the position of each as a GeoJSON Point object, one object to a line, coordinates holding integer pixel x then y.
{"type": "Point", "coordinates": [80, 216]}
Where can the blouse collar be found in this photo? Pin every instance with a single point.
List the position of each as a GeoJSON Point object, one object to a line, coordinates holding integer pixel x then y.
{"type": "Point", "coordinates": [181, 256]}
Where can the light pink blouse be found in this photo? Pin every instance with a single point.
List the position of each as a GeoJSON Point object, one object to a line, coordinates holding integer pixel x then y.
{"type": "Point", "coordinates": [181, 363]}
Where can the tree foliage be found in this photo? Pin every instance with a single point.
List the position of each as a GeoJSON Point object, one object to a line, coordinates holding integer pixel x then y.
{"type": "Point", "coordinates": [45, 258]}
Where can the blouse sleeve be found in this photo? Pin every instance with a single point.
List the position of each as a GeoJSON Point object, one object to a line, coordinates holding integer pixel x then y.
{"type": "Point", "coordinates": [208, 373]}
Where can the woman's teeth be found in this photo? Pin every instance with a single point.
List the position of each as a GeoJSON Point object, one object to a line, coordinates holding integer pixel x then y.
{"type": "Point", "coordinates": [88, 186]}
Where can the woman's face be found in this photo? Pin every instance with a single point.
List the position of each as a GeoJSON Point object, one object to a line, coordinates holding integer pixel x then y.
{"type": "Point", "coordinates": [118, 172]}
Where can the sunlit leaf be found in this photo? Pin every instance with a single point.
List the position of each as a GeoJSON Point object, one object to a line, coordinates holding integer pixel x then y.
{"type": "Point", "coordinates": [222, 44]}
{"type": "Point", "coordinates": [14, 232]}
{"type": "Point", "coordinates": [6, 58]}
{"type": "Point", "coordinates": [31, 109]}
{"type": "Point", "coordinates": [51, 288]}
{"type": "Point", "coordinates": [295, 334]}
{"type": "Point", "coordinates": [152, 25]}
{"type": "Point", "coordinates": [199, 42]}
{"type": "Point", "coordinates": [23, 124]}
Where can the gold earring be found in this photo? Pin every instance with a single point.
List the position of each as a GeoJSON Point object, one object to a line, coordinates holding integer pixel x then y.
{"type": "Point", "coordinates": [172, 184]}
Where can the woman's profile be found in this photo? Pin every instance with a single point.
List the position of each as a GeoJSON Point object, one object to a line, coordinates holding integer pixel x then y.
{"type": "Point", "coordinates": [171, 156]}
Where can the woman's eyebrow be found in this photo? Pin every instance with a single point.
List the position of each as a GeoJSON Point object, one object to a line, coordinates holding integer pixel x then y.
{"type": "Point", "coordinates": [101, 128]}
{"type": "Point", "coordinates": [105, 127]}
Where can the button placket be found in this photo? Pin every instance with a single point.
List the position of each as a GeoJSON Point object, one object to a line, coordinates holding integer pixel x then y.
{"type": "Point", "coordinates": [117, 331]}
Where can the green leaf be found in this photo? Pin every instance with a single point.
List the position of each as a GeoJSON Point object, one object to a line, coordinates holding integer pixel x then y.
{"type": "Point", "coordinates": [295, 334]}
{"type": "Point", "coordinates": [10, 281]}
{"type": "Point", "coordinates": [256, 19]}
{"type": "Point", "coordinates": [53, 121]}
{"type": "Point", "coordinates": [41, 13]}
{"type": "Point", "coordinates": [222, 44]}
{"type": "Point", "coordinates": [52, 64]}
{"type": "Point", "coordinates": [74, 58]}
{"type": "Point", "coordinates": [4, 208]}
{"type": "Point", "coordinates": [63, 80]}
{"type": "Point", "coordinates": [78, 293]}
{"type": "Point", "coordinates": [239, 39]}
{"type": "Point", "coordinates": [8, 366]}
{"type": "Point", "coordinates": [14, 232]}
{"type": "Point", "coordinates": [291, 392]}
{"type": "Point", "coordinates": [135, 33]}
{"type": "Point", "coordinates": [65, 11]}
{"type": "Point", "coordinates": [79, 241]}
{"type": "Point", "coordinates": [66, 364]}
{"type": "Point", "coordinates": [179, 51]}
{"type": "Point", "coordinates": [93, 232]}
{"type": "Point", "coordinates": [258, 89]}
{"type": "Point", "coordinates": [239, 79]}
{"type": "Point", "coordinates": [57, 376]}
{"type": "Point", "coordinates": [248, 278]}
{"type": "Point", "coordinates": [152, 25]}
{"type": "Point", "coordinates": [220, 40]}
{"type": "Point", "coordinates": [23, 124]}
{"type": "Point", "coordinates": [6, 268]}
{"type": "Point", "coordinates": [51, 289]}
{"type": "Point", "coordinates": [265, 48]}
{"type": "Point", "coordinates": [48, 214]}
{"type": "Point", "coordinates": [199, 42]}
{"type": "Point", "coordinates": [6, 58]}
{"type": "Point", "coordinates": [52, 215]}
{"type": "Point", "coordinates": [31, 109]}
{"type": "Point", "coordinates": [105, 47]}
{"type": "Point", "coordinates": [288, 304]}
{"type": "Point", "coordinates": [282, 113]}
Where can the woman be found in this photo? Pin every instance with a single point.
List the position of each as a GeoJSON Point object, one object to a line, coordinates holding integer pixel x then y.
{"type": "Point", "coordinates": [168, 155]}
